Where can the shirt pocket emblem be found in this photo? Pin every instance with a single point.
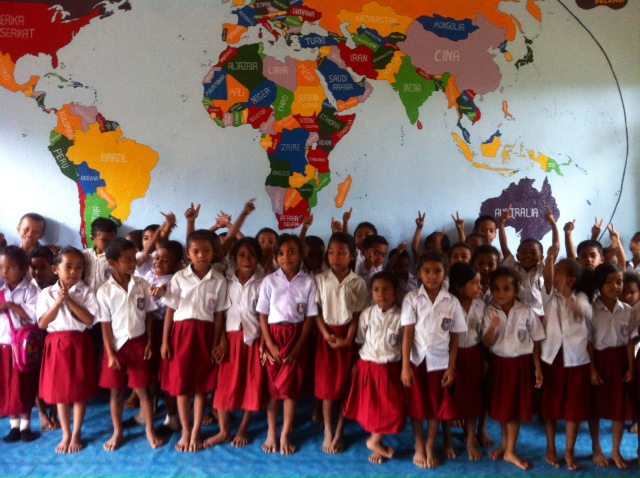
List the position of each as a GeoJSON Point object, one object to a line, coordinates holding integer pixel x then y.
{"type": "Point", "coordinates": [301, 307]}
{"type": "Point", "coordinates": [393, 339]}
{"type": "Point", "coordinates": [624, 330]}
{"type": "Point", "coordinates": [211, 304]}
{"type": "Point", "coordinates": [446, 323]}
{"type": "Point", "coordinates": [140, 303]}
{"type": "Point", "coordinates": [523, 335]}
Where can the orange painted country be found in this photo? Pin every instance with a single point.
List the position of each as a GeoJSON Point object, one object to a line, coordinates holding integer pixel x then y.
{"type": "Point", "coordinates": [68, 124]}
{"type": "Point", "coordinates": [7, 80]}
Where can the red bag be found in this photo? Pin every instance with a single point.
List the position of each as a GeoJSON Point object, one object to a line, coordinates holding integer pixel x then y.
{"type": "Point", "coordinates": [27, 344]}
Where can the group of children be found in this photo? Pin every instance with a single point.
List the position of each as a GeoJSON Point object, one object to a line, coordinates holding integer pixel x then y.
{"type": "Point", "coordinates": [261, 322]}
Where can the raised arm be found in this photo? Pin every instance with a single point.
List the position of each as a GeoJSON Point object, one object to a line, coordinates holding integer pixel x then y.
{"type": "Point", "coordinates": [306, 224]}
{"type": "Point", "coordinates": [504, 244]}
{"type": "Point", "coordinates": [596, 230]}
{"type": "Point", "coordinates": [616, 244]}
{"type": "Point", "coordinates": [234, 229]}
{"type": "Point", "coordinates": [568, 239]}
{"type": "Point", "coordinates": [549, 263]}
{"type": "Point", "coordinates": [191, 214]}
{"type": "Point", "coordinates": [392, 259]}
{"type": "Point", "coordinates": [346, 217]}
{"type": "Point", "coordinates": [459, 223]}
{"type": "Point", "coordinates": [417, 236]}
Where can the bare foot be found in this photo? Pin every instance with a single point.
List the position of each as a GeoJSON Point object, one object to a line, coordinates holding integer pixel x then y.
{"type": "Point", "coordinates": [240, 440]}
{"type": "Point", "coordinates": [327, 446]}
{"type": "Point", "coordinates": [474, 453]}
{"type": "Point", "coordinates": [572, 464]}
{"type": "Point", "coordinates": [376, 458]}
{"type": "Point", "coordinates": [432, 459]}
{"type": "Point", "coordinates": [55, 423]}
{"type": "Point", "coordinates": [45, 423]}
{"type": "Point", "coordinates": [271, 444]}
{"type": "Point", "coordinates": [154, 440]}
{"type": "Point", "coordinates": [600, 460]}
{"type": "Point", "coordinates": [619, 461]}
{"type": "Point", "coordinates": [75, 445]}
{"type": "Point", "coordinates": [457, 423]}
{"type": "Point", "coordinates": [380, 449]}
{"type": "Point", "coordinates": [420, 459]}
{"type": "Point", "coordinates": [196, 443]}
{"type": "Point", "coordinates": [113, 443]}
{"type": "Point", "coordinates": [286, 447]}
{"type": "Point", "coordinates": [63, 446]}
{"type": "Point", "coordinates": [210, 418]}
{"type": "Point", "coordinates": [183, 445]}
{"type": "Point", "coordinates": [132, 402]}
{"type": "Point", "coordinates": [338, 445]}
{"type": "Point", "coordinates": [449, 452]}
{"type": "Point", "coordinates": [633, 428]}
{"type": "Point", "coordinates": [552, 459]}
{"type": "Point", "coordinates": [217, 439]}
{"type": "Point", "coordinates": [516, 460]}
{"type": "Point", "coordinates": [484, 439]}
{"type": "Point", "coordinates": [497, 453]}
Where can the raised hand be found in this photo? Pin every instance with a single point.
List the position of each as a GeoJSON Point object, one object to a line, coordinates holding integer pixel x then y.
{"type": "Point", "coordinates": [506, 215]}
{"type": "Point", "coordinates": [549, 217]}
{"type": "Point", "coordinates": [597, 228]}
{"type": "Point", "coordinates": [191, 214]}
{"type": "Point", "coordinates": [420, 219]}
{"type": "Point", "coordinates": [346, 217]}
{"type": "Point", "coordinates": [458, 222]}
{"type": "Point", "coordinates": [570, 226]}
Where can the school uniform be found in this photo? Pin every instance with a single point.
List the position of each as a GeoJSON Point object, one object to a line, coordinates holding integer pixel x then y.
{"type": "Point", "coordinates": [376, 400]}
{"type": "Point", "coordinates": [367, 274]}
{"type": "Point", "coordinates": [531, 283]}
{"type": "Point", "coordinates": [68, 373]}
{"type": "Point", "coordinates": [467, 389]}
{"type": "Point", "coordinates": [241, 374]}
{"type": "Point", "coordinates": [610, 335]}
{"type": "Point", "coordinates": [126, 311]}
{"type": "Point", "coordinates": [18, 390]}
{"type": "Point", "coordinates": [512, 377]}
{"type": "Point", "coordinates": [158, 320]}
{"type": "Point", "coordinates": [195, 302]}
{"type": "Point", "coordinates": [142, 270]}
{"type": "Point", "coordinates": [565, 360]}
{"type": "Point", "coordinates": [339, 301]}
{"type": "Point", "coordinates": [287, 304]}
{"type": "Point", "coordinates": [96, 268]}
{"type": "Point", "coordinates": [433, 323]}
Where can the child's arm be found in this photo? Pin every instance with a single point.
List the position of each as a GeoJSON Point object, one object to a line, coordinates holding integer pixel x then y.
{"type": "Point", "coordinates": [80, 313]}
{"type": "Point", "coordinates": [220, 346]}
{"type": "Point", "coordinates": [593, 371]}
{"type": "Point", "coordinates": [234, 229]}
{"type": "Point", "coordinates": [222, 220]}
{"type": "Point", "coordinates": [273, 350]}
{"type": "Point", "coordinates": [336, 226]}
{"type": "Point", "coordinates": [392, 259]}
{"type": "Point", "coordinates": [407, 341]}
{"type": "Point", "coordinates": [459, 226]}
{"type": "Point", "coordinates": [555, 235]}
{"type": "Point", "coordinates": [504, 244]}
{"type": "Point", "coordinates": [18, 310]}
{"type": "Point", "coordinates": [628, 377]}
{"type": "Point", "coordinates": [549, 263]}
{"type": "Point", "coordinates": [568, 239]}
{"type": "Point", "coordinates": [490, 336]}
{"type": "Point", "coordinates": [347, 341]}
{"type": "Point", "coordinates": [306, 224]}
{"type": "Point", "coordinates": [168, 225]}
{"type": "Point", "coordinates": [107, 334]}
{"type": "Point", "coordinates": [596, 230]}
{"type": "Point", "coordinates": [292, 356]}
{"type": "Point", "coordinates": [148, 350]}
{"type": "Point", "coordinates": [346, 217]}
{"type": "Point", "coordinates": [51, 314]}
{"type": "Point", "coordinates": [537, 363]}
{"type": "Point", "coordinates": [417, 235]}
{"type": "Point", "coordinates": [191, 214]}
{"type": "Point", "coordinates": [450, 374]}
{"type": "Point", "coordinates": [166, 351]}
{"type": "Point", "coordinates": [617, 245]}
{"type": "Point", "coordinates": [322, 327]}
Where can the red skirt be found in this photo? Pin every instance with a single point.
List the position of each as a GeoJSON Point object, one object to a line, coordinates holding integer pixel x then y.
{"type": "Point", "coordinates": [614, 399]}
{"type": "Point", "coordinates": [376, 400]}
{"type": "Point", "coordinates": [285, 379]}
{"type": "Point", "coordinates": [512, 384]}
{"type": "Point", "coordinates": [426, 399]}
{"type": "Point", "coordinates": [68, 368]}
{"type": "Point", "coordinates": [190, 369]}
{"type": "Point", "coordinates": [18, 390]}
{"type": "Point", "coordinates": [333, 366]}
{"type": "Point", "coordinates": [565, 391]}
{"type": "Point", "coordinates": [241, 378]}
{"type": "Point", "coordinates": [467, 389]}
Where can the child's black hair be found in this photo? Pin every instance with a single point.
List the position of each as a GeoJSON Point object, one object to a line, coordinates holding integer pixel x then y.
{"type": "Point", "coordinates": [314, 242]}
{"type": "Point", "coordinates": [403, 255]}
{"type": "Point", "coordinates": [44, 252]}
{"type": "Point", "coordinates": [373, 240]}
{"type": "Point", "coordinates": [67, 250]}
{"type": "Point", "coordinates": [151, 227]}
{"type": "Point", "coordinates": [18, 255]}
{"type": "Point", "coordinates": [460, 245]}
{"type": "Point", "coordinates": [34, 216]}
{"type": "Point", "coordinates": [117, 246]}
{"type": "Point", "coordinates": [388, 276]}
{"type": "Point", "coordinates": [174, 248]}
{"type": "Point", "coordinates": [433, 256]}
{"type": "Point", "coordinates": [505, 272]}
{"type": "Point", "coordinates": [365, 224]}
{"type": "Point", "coordinates": [445, 242]}
{"type": "Point", "coordinates": [344, 238]}
{"type": "Point", "coordinates": [102, 224]}
{"type": "Point", "coordinates": [267, 230]}
{"type": "Point", "coordinates": [485, 250]}
{"type": "Point", "coordinates": [135, 236]}
{"type": "Point", "coordinates": [590, 243]}
{"type": "Point", "coordinates": [635, 237]}
{"type": "Point", "coordinates": [249, 242]}
{"type": "Point", "coordinates": [601, 273]}
{"type": "Point", "coordinates": [483, 218]}
{"type": "Point", "coordinates": [203, 235]}
{"type": "Point", "coordinates": [632, 277]}
{"type": "Point", "coordinates": [531, 240]}
{"type": "Point", "coordinates": [284, 238]}
{"type": "Point", "coordinates": [460, 274]}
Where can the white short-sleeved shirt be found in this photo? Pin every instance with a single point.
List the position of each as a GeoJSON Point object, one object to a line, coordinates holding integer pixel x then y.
{"type": "Point", "coordinates": [147, 266]}
{"type": "Point", "coordinates": [612, 329]}
{"type": "Point", "coordinates": [367, 274]}
{"type": "Point", "coordinates": [473, 335]}
{"type": "Point", "coordinates": [285, 301]}
{"type": "Point", "coordinates": [25, 294]}
{"type": "Point", "coordinates": [632, 268]}
{"type": "Point", "coordinates": [65, 320]}
{"type": "Point", "coordinates": [125, 309]}
{"type": "Point", "coordinates": [242, 314]}
{"type": "Point", "coordinates": [406, 286]}
{"type": "Point", "coordinates": [531, 283]}
{"type": "Point", "coordinates": [433, 323]}
{"type": "Point", "coordinates": [340, 300]}
{"type": "Point", "coordinates": [158, 281]}
{"type": "Point", "coordinates": [380, 334]}
{"type": "Point", "coordinates": [516, 333]}
{"type": "Point", "coordinates": [96, 268]}
{"type": "Point", "coordinates": [193, 298]}
{"type": "Point", "coordinates": [566, 324]}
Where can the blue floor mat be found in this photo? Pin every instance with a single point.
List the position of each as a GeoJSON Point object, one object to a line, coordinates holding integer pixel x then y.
{"type": "Point", "coordinates": [135, 457]}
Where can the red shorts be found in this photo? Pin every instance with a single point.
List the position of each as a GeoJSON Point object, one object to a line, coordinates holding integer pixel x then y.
{"type": "Point", "coordinates": [285, 379]}
{"type": "Point", "coordinates": [426, 399]}
{"type": "Point", "coordinates": [565, 391]}
{"type": "Point", "coordinates": [190, 369]}
{"type": "Point", "coordinates": [467, 389]}
{"type": "Point", "coordinates": [241, 377]}
{"type": "Point", "coordinates": [614, 399]}
{"type": "Point", "coordinates": [376, 399]}
{"type": "Point", "coordinates": [18, 390]}
{"type": "Point", "coordinates": [68, 368]}
{"type": "Point", "coordinates": [333, 366]}
{"type": "Point", "coordinates": [132, 362]}
{"type": "Point", "coordinates": [512, 383]}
